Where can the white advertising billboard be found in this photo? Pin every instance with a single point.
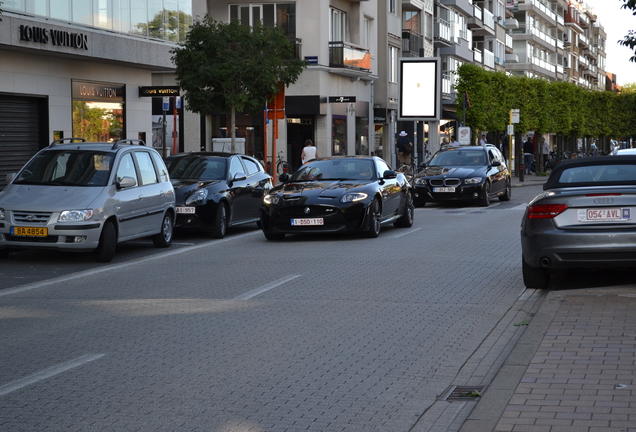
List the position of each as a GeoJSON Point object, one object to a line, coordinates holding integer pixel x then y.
{"type": "Point", "coordinates": [420, 89]}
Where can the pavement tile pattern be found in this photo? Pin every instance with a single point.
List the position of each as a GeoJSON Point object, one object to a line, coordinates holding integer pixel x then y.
{"type": "Point", "coordinates": [583, 376]}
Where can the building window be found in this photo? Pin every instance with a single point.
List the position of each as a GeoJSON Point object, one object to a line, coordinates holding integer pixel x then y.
{"type": "Point", "coordinates": [412, 21]}
{"type": "Point", "coordinates": [98, 111]}
{"type": "Point", "coordinates": [392, 6]}
{"type": "Point", "coordinates": [393, 64]}
{"type": "Point", "coordinates": [339, 133]}
{"type": "Point", "coordinates": [337, 25]}
{"type": "Point", "coordinates": [282, 15]}
{"type": "Point", "coordinates": [365, 37]}
{"type": "Point", "coordinates": [161, 19]}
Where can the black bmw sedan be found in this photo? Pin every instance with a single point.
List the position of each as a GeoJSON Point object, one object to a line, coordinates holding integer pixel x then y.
{"type": "Point", "coordinates": [217, 190]}
{"type": "Point", "coordinates": [338, 194]}
{"type": "Point", "coordinates": [470, 174]}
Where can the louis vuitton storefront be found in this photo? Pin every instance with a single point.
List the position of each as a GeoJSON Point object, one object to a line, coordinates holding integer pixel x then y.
{"type": "Point", "coordinates": [81, 77]}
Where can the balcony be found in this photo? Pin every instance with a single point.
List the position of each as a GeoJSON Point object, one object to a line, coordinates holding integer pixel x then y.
{"type": "Point", "coordinates": [447, 85]}
{"type": "Point", "coordinates": [509, 45]}
{"type": "Point", "coordinates": [442, 37]}
{"type": "Point", "coordinates": [537, 36]}
{"type": "Point", "coordinates": [539, 8]}
{"type": "Point", "coordinates": [349, 56]}
{"type": "Point", "coordinates": [412, 42]}
{"type": "Point", "coordinates": [464, 6]}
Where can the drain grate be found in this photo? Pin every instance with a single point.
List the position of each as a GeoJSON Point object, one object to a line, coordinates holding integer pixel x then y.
{"type": "Point", "coordinates": [461, 393]}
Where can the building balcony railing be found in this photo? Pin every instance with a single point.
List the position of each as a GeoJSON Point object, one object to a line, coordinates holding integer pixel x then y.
{"type": "Point", "coordinates": [411, 43]}
{"type": "Point", "coordinates": [346, 55]}
{"type": "Point", "coordinates": [442, 31]}
{"type": "Point", "coordinates": [447, 85]}
{"type": "Point", "coordinates": [489, 59]}
{"type": "Point", "coordinates": [540, 6]}
{"type": "Point", "coordinates": [509, 41]}
{"type": "Point", "coordinates": [584, 41]}
{"type": "Point", "coordinates": [477, 55]}
{"type": "Point", "coordinates": [489, 19]}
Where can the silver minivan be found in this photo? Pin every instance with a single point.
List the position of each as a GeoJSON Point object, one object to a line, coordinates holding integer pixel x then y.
{"type": "Point", "coordinates": [86, 196]}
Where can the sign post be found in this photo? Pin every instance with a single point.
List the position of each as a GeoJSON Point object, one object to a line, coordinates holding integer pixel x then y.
{"type": "Point", "coordinates": [166, 107]}
{"type": "Point", "coordinates": [514, 118]}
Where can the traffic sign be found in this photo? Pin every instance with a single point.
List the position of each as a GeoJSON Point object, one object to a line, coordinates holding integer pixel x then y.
{"type": "Point", "coordinates": [514, 116]}
{"type": "Point", "coordinates": [166, 103]}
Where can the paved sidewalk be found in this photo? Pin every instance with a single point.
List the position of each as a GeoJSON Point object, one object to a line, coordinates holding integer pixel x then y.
{"type": "Point", "coordinates": [574, 369]}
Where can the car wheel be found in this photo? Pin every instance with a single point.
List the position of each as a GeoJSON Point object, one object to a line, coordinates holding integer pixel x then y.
{"type": "Point", "coordinates": [535, 277]}
{"type": "Point", "coordinates": [105, 251]}
{"type": "Point", "coordinates": [373, 228]}
{"type": "Point", "coordinates": [406, 221]}
{"type": "Point", "coordinates": [484, 200]}
{"type": "Point", "coordinates": [507, 193]}
{"type": "Point", "coordinates": [220, 222]}
{"type": "Point", "coordinates": [164, 238]}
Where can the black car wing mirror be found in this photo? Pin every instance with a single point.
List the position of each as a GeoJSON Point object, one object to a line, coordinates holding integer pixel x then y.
{"type": "Point", "coordinates": [495, 163]}
{"type": "Point", "coordinates": [389, 174]}
{"type": "Point", "coordinates": [284, 178]}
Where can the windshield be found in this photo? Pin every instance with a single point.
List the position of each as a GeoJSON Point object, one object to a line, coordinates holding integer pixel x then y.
{"type": "Point", "coordinates": [195, 167]}
{"type": "Point", "coordinates": [67, 168]}
{"type": "Point", "coordinates": [459, 158]}
{"type": "Point", "coordinates": [336, 169]}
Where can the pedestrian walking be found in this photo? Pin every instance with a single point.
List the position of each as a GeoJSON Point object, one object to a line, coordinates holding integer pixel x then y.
{"type": "Point", "coordinates": [482, 141]}
{"type": "Point", "coordinates": [528, 155]}
{"type": "Point", "coordinates": [404, 148]}
{"type": "Point", "coordinates": [309, 151]}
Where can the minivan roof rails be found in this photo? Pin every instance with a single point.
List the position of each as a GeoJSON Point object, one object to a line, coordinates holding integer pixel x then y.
{"type": "Point", "coordinates": [67, 141]}
{"type": "Point", "coordinates": [128, 141]}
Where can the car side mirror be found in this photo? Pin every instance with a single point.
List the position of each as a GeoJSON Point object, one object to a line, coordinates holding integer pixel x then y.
{"type": "Point", "coordinates": [126, 182]}
{"type": "Point", "coordinates": [496, 163]}
{"type": "Point", "coordinates": [284, 178]}
{"type": "Point", "coordinates": [10, 177]}
{"type": "Point", "coordinates": [423, 164]}
{"type": "Point", "coordinates": [239, 176]}
{"type": "Point", "coordinates": [389, 174]}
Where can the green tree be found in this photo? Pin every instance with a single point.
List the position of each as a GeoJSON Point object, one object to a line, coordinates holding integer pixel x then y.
{"type": "Point", "coordinates": [630, 39]}
{"type": "Point", "coordinates": [231, 67]}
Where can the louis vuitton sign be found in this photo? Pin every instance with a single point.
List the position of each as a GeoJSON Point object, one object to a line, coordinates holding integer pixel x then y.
{"type": "Point", "coordinates": [55, 37]}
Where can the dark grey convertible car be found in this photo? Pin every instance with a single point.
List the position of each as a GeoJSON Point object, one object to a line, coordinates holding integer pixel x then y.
{"type": "Point", "coordinates": [585, 218]}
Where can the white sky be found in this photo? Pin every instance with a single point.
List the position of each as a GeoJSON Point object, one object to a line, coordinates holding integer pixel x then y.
{"type": "Point", "coordinates": [616, 22]}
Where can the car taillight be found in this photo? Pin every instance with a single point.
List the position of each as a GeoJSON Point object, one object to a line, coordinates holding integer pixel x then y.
{"type": "Point", "coordinates": [546, 211]}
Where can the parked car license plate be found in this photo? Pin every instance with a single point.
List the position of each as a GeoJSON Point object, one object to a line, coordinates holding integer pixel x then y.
{"type": "Point", "coordinates": [605, 214]}
{"type": "Point", "coordinates": [29, 231]}
{"type": "Point", "coordinates": [187, 210]}
{"type": "Point", "coordinates": [308, 221]}
{"type": "Point", "coordinates": [443, 189]}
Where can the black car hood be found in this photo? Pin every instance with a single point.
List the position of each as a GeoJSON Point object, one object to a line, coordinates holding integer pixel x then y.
{"type": "Point", "coordinates": [453, 171]}
{"type": "Point", "coordinates": [321, 189]}
{"type": "Point", "coordinates": [184, 187]}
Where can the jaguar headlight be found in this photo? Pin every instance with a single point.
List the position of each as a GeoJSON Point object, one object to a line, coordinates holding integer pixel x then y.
{"type": "Point", "coordinates": [271, 199]}
{"type": "Point", "coordinates": [473, 180]}
{"type": "Point", "coordinates": [197, 197]}
{"type": "Point", "coordinates": [351, 197]}
{"type": "Point", "coordinates": [75, 215]}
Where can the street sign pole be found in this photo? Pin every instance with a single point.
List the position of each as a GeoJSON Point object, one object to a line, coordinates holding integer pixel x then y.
{"type": "Point", "coordinates": [166, 106]}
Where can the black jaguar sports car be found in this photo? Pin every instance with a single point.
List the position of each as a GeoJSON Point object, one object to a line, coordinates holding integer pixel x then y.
{"type": "Point", "coordinates": [338, 194]}
{"type": "Point", "coordinates": [469, 174]}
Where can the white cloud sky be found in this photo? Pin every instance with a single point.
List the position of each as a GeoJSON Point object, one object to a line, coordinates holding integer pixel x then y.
{"type": "Point", "coordinates": [617, 22]}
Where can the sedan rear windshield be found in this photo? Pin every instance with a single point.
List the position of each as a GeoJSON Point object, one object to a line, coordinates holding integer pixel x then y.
{"type": "Point", "coordinates": [199, 168]}
{"type": "Point", "coordinates": [67, 168]}
{"type": "Point", "coordinates": [598, 174]}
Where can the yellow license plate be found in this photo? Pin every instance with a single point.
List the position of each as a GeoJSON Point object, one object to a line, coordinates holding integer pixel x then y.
{"type": "Point", "coordinates": [29, 231]}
